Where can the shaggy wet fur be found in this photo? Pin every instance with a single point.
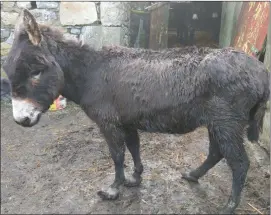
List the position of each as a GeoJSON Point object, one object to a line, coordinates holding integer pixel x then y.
{"type": "Point", "coordinates": [170, 91]}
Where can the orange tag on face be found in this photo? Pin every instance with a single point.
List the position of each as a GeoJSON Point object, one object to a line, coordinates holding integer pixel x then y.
{"type": "Point", "coordinates": [59, 104]}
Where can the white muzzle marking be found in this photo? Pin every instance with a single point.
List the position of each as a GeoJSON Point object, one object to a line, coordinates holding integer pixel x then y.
{"type": "Point", "coordinates": [23, 109]}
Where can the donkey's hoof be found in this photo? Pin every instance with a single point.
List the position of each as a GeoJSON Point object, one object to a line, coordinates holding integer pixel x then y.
{"type": "Point", "coordinates": [227, 210]}
{"type": "Point", "coordinates": [132, 181]}
{"type": "Point", "coordinates": [189, 177]}
{"type": "Point", "coordinates": [109, 194]}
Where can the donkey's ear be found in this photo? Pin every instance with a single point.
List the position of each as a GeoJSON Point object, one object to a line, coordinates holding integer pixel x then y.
{"type": "Point", "coordinates": [31, 27]}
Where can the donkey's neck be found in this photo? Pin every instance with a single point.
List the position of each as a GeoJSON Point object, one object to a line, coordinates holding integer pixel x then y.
{"type": "Point", "coordinates": [76, 62]}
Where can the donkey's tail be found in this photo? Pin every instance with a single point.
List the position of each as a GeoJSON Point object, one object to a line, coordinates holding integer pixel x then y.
{"type": "Point", "coordinates": [256, 116]}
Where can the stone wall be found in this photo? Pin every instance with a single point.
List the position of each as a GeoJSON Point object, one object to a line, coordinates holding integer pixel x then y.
{"type": "Point", "coordinates": [97, 23]}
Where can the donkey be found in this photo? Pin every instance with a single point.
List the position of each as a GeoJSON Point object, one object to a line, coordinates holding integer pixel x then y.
{"type": "Point", "coordinates": [124, 90]}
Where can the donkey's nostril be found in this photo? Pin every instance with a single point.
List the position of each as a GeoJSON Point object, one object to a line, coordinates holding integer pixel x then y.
{"type": "Point", "coordinates": [24, 122]}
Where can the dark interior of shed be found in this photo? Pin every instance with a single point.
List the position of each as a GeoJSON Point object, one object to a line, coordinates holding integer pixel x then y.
{"type": "Point", "coordinates": [194, 23]}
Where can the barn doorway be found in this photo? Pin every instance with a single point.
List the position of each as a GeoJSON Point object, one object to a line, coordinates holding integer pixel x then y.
{"type": "Point", "coordinates": [176, 24]}
{"type": "Point", "coordinates": [194, 23]}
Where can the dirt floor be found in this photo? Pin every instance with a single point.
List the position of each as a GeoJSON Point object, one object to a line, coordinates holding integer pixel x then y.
{"type": "Point", "coordinates": [59, 165]}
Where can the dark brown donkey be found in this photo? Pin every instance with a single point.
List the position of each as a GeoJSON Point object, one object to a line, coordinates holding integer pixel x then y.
{"type": "Point", "coordinates": [125, 90]}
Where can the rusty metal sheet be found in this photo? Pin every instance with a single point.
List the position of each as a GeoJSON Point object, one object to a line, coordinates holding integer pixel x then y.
{"type": "Point", "coordinates": [159, 26]}
{"type": "Point", "coordinates": [252, 27]}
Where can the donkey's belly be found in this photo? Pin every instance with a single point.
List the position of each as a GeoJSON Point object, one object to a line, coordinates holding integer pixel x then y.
{"type": "Point", "coordinates": [166, 124]}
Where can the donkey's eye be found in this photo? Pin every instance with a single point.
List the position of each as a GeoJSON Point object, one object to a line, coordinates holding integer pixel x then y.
{"type": "Point", "coordinates": [36, 74]}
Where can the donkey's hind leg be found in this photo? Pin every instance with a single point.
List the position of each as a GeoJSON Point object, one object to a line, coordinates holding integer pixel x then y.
{"type": "Point", "coordinates": [226, 140]}
{"type": "Point", "coordinates": [213, 158]}
{"type": "Point", "coordinates": [233, 150]}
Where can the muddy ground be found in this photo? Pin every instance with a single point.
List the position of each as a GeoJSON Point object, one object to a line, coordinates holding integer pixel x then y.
{"type": "Point", "coordinates": [60, 164]}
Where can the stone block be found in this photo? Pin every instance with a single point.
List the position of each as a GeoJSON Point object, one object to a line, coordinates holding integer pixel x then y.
{"type": "Point", "coordinates": [24, 4]}
{"type": "Point", "coordinates": [3, 73]}
{"type": "Point", "coordinates": [8, 4]}
{"type": "Point", "coordinates": [98, 36]}
{"type": "Point", "coordinates": [76, 31]}
{"type": "Point", "coordinates": [9, 18]}
{"type": "Point", "coordinates": [112, 36]}
{"type": "Point", "coordinates": [4, 34]}
{"type": "Point", "coordinates": [92, 35]}
{"type": "Point", "coordinates": [77, 13]}
{"type": "Point", "coordinates": [47, 5]}
{"type": "Point", "coordinates": [45, 16]}
{"type": "Point", "coordinates": [5, 49]}
{"type": "Point", "coordinates": [114, 13]}
{"type": "Point", "coordinates": [10, 38]}
{"type": "Point", "coordinates": [70, 36]}
{"type": "Point", "coordinates": [3, 59]}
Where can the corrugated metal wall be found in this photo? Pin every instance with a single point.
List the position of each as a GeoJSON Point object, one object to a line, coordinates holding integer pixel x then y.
{"type": "Point", "coordinates": [229, 19]}
{"type": "Point", "coordinates": [252, 27]}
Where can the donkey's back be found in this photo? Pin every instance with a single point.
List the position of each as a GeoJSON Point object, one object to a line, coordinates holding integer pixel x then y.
{"type": "Point", "coordinates": [178, 90]}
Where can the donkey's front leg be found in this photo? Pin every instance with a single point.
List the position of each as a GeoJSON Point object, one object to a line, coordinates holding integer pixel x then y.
{"type": "Point", "coordinates": [115, 139]}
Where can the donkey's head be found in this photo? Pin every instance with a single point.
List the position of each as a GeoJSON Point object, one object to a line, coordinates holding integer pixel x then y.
{"type": "Point", "coordinates": [35, 76]}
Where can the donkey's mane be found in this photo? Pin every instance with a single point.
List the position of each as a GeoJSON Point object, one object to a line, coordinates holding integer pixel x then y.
{"type": "Point", "coordinates": [52, 32]}
{"type": "Point", "coordinates": [57, 34]}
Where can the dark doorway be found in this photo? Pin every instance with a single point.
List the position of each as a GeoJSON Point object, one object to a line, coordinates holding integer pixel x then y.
{"type": "Point", "coordinates": [194, 23]}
